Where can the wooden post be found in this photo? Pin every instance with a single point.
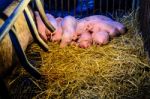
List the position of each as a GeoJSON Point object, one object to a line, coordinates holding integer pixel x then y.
{"type": "Point", "coordinates": [144, 23]}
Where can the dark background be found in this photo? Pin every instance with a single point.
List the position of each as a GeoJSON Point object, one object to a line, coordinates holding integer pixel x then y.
{"type": "Point", "coordinates": [89, 7]}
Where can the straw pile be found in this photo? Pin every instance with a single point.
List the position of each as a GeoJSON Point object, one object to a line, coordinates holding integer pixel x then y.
{"type": "Point", "coordinates": [118, 70]}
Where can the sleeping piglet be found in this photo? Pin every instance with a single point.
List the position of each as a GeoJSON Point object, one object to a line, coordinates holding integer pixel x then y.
{"type": "Point", "coordinates": [85, 40]}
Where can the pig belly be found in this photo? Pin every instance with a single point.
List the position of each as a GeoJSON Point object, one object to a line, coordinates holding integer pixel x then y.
{"type": "Point", "coordinates": [8, 58]}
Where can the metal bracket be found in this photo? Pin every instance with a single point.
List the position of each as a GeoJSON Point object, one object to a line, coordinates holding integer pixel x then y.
{"type": "Point", "coordinates": [43, 15]}
{"type": "Point", "coordinates": [22, 57]}
{"type": "Point", "coordinates": [33, 29]}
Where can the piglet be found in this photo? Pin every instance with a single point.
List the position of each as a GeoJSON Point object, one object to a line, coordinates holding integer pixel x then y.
{"type": "Point", "coordinates": [58, 33]}
{"type": "Point", "coordinates": [100, 38]}
{"type": "Point", "coordinates": [69, 30]}
{"type": "Point", "coordinates": [56, 36]}
{"type": "Point", "coordinates": [53, 21]}
{"type": "Point", "coordinates": [87, 23]}
{"type": "Point", "coordinates": [85, 40]}
{"type": "Point", "coordinates": [40, 26]}
{"type": "Point", "coordinates": [121, 28]}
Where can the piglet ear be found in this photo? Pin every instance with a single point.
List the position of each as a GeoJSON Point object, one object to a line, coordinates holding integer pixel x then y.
{"type": "Point", "coordinates": [59, 19]}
